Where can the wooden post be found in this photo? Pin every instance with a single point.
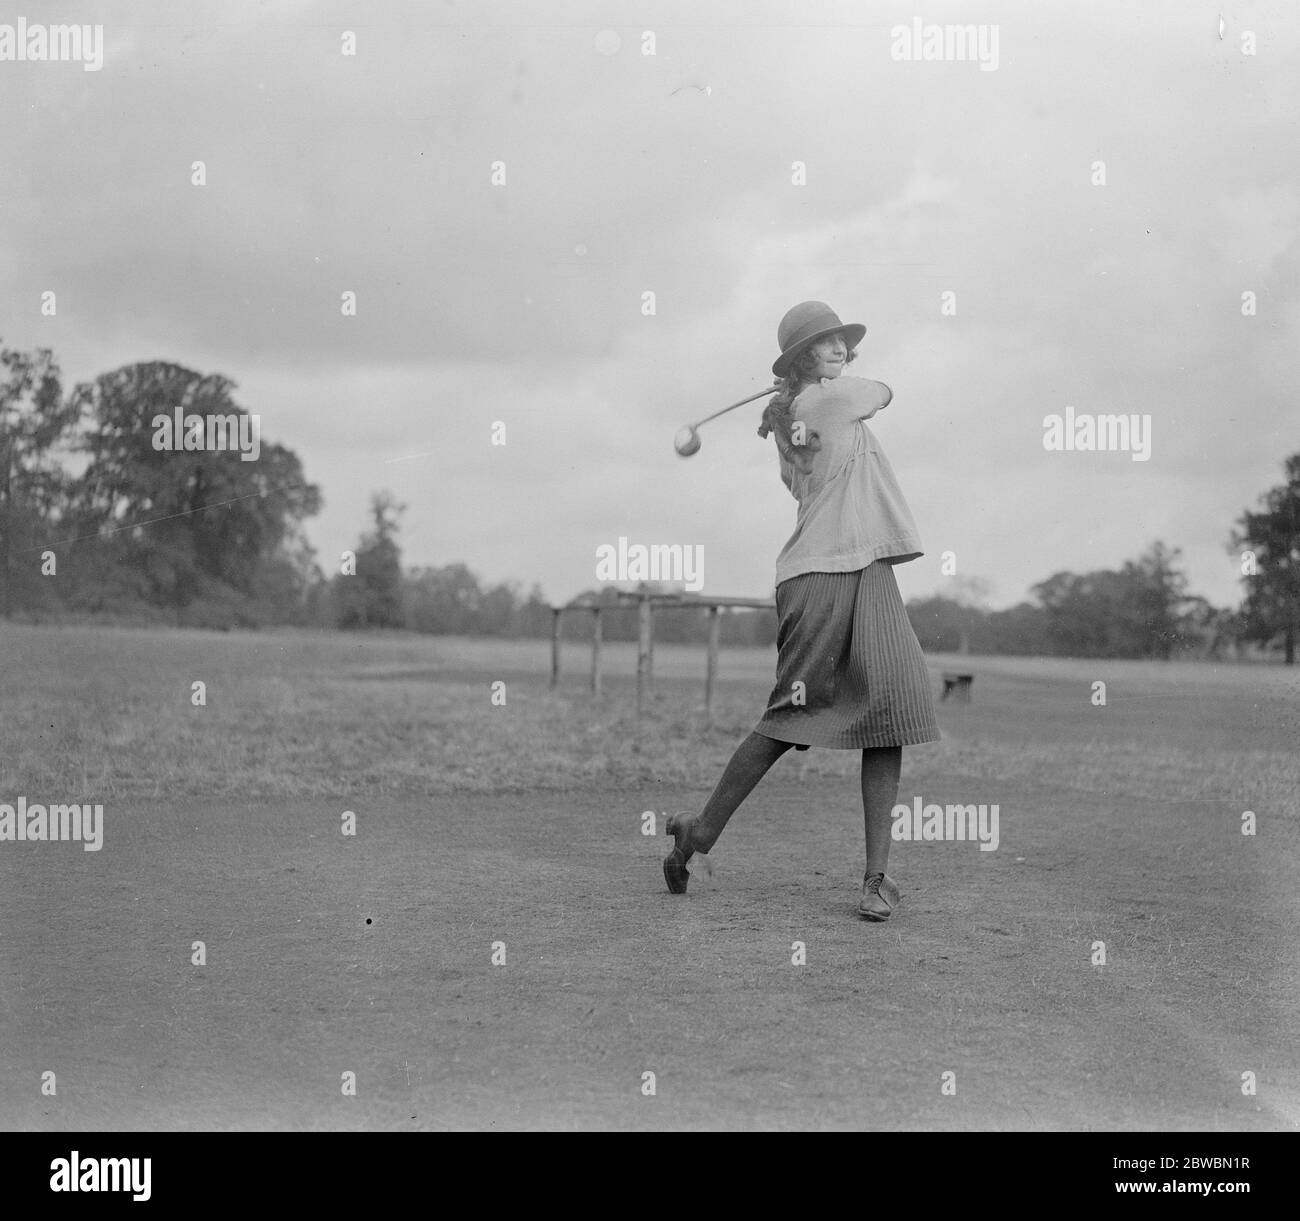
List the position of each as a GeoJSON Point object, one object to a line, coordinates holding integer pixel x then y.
{"type": "Point", "coordinates": [645, 634]}
{"type": "Point", "coordinates": [650, 656]}
{"type": "Point", "coordinates": [595, 650]}
{"type": "Point", "coordinates": [555, 645]}
{"type": "Point", "coordinates": [711, 671]}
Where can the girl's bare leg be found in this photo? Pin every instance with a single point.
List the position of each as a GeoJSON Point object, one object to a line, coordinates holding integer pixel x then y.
{"type": "Point", "coordinates": [881, 768]}
{"type": "Point", "coordinates": [747, 767]}
{"type": "Point", "coordinates": [691, 835]}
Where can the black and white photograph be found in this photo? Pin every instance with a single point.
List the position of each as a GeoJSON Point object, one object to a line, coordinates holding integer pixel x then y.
{"type": "Point", "coordinates": [687, 566]}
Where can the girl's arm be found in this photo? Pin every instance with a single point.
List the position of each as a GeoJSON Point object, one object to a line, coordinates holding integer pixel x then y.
{"type": "Point", "coordinates": [882, 395]}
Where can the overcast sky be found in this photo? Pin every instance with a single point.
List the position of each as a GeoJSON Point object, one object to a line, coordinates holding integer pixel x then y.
{"type": "Point", "coordinates": [671, 173]}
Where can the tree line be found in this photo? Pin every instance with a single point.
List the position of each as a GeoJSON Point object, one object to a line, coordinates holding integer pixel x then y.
{"type": "Point", "coordinates": [98, 520]}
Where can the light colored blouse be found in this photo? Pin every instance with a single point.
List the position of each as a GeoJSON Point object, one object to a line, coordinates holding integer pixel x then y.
{"type": "Point", "coordinates": [851, 508]}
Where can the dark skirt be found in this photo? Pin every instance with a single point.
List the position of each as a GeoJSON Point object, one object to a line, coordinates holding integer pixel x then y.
{"type": "Point", "coordinates": [846, 637]}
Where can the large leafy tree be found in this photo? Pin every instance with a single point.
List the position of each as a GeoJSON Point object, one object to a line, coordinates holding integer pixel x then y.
{"type": "Point", "coordinates": [183, 519]}
{"type": "Point", "coordinates": [1156, 600]}
{"type": "Point", "coordinates": [1272, 604]}
{"type": "Point", "coordinates": [34, 420]}
{"type": "Point", "coordinates": [938, 623]}
{"type": "Point", "coordinates": [372, 597]}
{"type": "Point", "coordinates": [444, 600]}
{"type": "Point", "coordinates": [1136, 612]}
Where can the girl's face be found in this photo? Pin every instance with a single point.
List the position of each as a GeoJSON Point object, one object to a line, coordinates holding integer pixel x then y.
{"type": "Point", "coordinates": [828, 357]}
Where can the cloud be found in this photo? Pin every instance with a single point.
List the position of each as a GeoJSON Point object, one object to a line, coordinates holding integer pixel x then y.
{"type": "Point", "coordinates": [523, 302]}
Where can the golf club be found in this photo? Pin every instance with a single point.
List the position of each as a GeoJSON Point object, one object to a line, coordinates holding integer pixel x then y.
{"type": "Point", "coordinates": [687, 441]}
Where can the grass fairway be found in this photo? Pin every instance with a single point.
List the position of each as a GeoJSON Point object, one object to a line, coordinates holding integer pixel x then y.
{"type": "Point", "coordinates": [480, 823]}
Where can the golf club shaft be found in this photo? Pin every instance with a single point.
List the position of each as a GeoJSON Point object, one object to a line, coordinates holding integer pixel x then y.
{"type": "Point", "coordinates": [752, 397]}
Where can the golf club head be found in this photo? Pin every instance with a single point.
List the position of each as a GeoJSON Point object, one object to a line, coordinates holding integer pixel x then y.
{"type": "Point", "coordinates": [687, 441]}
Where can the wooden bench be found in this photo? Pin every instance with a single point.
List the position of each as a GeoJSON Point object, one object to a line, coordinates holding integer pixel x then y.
{"type": "Point", "coordinates": [959, 684]}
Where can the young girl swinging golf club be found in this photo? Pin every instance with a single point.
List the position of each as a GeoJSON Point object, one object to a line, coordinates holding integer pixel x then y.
{"type": "Point", "coordinates": [849, 674]}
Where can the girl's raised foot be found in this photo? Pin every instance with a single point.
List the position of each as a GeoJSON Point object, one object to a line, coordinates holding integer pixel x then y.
{"type": "Point", "coordinates": [675, 872]}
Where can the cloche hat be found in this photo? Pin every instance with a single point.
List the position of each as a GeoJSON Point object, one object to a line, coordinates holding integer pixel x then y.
{"type": "Point", "coordinates": [808, 322]}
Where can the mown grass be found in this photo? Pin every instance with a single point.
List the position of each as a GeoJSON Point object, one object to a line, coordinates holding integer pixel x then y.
{"type": "Point", "coordinates": [107, 712]}
{"type": "Point", "coordinates": [1119, 824]}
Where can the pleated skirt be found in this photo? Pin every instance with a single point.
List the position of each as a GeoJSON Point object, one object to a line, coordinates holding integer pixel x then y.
{"type": "Point", "coordinates": [850, 672]}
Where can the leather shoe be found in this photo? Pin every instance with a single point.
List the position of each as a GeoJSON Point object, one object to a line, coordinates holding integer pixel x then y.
{"type": "Point", "coordinates": [880, 896]}
{"type": "Point", "coordinates": [675, 872]}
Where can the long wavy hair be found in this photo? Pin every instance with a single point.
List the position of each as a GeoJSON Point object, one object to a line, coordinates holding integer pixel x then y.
{"type": "Point", "coordinates": [778, 416]}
